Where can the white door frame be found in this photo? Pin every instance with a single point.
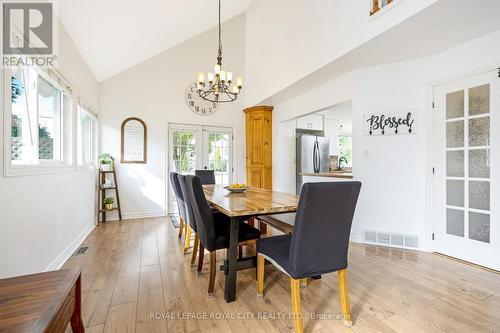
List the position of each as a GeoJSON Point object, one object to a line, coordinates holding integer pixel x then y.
{"type": "Point", "coordinates": [431, 224]}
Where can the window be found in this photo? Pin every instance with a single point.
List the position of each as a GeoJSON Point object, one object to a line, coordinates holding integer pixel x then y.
{"type": "Point", "coordinates": [40, 117]}
{"type": "Point", "coordinates": [87, 136]}
{"type": "Point", "coordinates": [345, 149]}
{"type": "Point", "coordinates": [49, 121]}
{"type": "Point", "coordinates": [377, 5]}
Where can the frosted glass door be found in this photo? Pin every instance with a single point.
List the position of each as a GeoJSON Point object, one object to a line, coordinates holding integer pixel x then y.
{"type": "Point", "coordinates": [465, 111]}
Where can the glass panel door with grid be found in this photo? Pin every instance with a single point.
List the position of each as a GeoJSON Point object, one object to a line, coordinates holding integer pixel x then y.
{"type": "Point", "coordinates": [184, 155]}
{"type": "Point", "coordinates": [199, 147]}
{"type": "Point", "coordinates": [465, 183]}
{"type": "Point", "coordinates": [218, 150]}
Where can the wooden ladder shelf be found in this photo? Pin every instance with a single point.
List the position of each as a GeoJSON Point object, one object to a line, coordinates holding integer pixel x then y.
{"type": "Point", "coordinates": [102, 194]}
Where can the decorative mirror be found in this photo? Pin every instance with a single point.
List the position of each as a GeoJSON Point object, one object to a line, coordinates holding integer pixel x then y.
{"type": "Point", "coordinates": [134, 141]}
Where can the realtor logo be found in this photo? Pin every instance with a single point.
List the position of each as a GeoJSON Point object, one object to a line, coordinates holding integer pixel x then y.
{"type": "Point", "coordinates": [28, 28]}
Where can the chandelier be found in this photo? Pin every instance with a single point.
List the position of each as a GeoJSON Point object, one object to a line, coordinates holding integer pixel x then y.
{"type": "Point", "coordinates": [219, 87]}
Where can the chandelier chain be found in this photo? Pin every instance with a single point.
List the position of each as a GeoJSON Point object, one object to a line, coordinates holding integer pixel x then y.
{"type": "Point", "coordinates": [219, 87]}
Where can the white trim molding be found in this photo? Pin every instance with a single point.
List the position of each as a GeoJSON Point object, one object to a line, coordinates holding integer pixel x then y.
{"type": "Point", "coordinates": [138, 215]}
{"type": "Point", "coordinates": [68, 252]}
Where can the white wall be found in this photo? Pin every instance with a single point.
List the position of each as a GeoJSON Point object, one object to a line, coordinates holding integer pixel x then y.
{"type": "Point", "coordinates": [392, 165]}
{"type": "Point", "coordinates": [44, 217]}
{"type": "Point", "coordinates": [154, 91]}
{"type": "Point", "coordinates": [287, 40]}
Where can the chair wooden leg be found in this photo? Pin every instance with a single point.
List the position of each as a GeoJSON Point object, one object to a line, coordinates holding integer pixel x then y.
{"type": "Point", "coordinates": [261, 262]}
{"type": "Point", "coordinates": [303, 282]}
{"type": "Point", "coordinates": [187, 238]}
{"type": "Point", "coordinates": [181, 226]}
{"type": "Point", "coordinates": [344, 298]}
{"type": "Point", "coordinates": [195, 249]}
{"type": "Point", "coordinates": [201, 255]}
{"type": "Point", "coordinates": [296, 308]}
{"type": "Point", "coordinates": [213, 268]}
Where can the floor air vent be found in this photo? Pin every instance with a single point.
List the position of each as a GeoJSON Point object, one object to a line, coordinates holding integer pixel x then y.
{"type": "Point", "coordinates": [81, 250]}
{"type": "Point", "coordinates": [388, 239]}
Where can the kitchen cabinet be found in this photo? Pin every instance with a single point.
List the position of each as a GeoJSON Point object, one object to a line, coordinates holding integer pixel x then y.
{"type": "Point", "coordinates": [311, 122]}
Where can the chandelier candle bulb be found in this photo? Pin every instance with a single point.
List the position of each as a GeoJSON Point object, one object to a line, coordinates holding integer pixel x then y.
{"type": "Point", "coordinates": [239, 82]}
{"type": "Point", "coordinates": [229, 76]}
{"type": "Point", "coordinates": [210, 77]}
{"type": "Point", "coordinates": [201, 78]}
{"type": "Point", "coordinates": [222, 74]}
{"type": "Point", "coordinates": [217, 69]}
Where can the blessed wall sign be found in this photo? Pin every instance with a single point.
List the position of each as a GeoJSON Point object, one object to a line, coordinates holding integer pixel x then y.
{"type": "Point", "coordinates": [390, 123]}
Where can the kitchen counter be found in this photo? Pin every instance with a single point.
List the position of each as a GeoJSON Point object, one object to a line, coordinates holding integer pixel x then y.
{"type": "Point", "coordinates": [334, 174]}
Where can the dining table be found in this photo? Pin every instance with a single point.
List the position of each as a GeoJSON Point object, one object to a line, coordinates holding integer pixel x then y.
{"type": "Point", "coordinates": [241, 207]}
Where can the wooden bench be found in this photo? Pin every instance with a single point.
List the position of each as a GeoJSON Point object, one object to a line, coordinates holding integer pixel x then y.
{"type": "Point", "coordinates": [44, 302]}
{"type": "Point", "coordinates": [281, 222]}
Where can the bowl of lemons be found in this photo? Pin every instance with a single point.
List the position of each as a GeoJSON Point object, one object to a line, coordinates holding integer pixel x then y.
{"type": "Point", "coordinates": [236, 188]}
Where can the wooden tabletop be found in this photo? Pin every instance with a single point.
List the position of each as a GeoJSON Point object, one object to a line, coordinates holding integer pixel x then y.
{"type": "Point", "coordinates": [252, 202]}
{"type": "Point", "coordinates": [30, 303]}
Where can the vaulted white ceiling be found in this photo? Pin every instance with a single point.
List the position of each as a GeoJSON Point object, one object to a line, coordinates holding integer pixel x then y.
{"type": "Point", "coordinates": [113, 35]}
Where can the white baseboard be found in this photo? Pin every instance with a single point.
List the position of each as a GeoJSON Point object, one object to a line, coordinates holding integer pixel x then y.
{"type": "Point", "coordinates": [356, 237]}
{"type": "Point", "coordinates": [63, 256]}
{"type": "Point", "coordinates": [141, 215]}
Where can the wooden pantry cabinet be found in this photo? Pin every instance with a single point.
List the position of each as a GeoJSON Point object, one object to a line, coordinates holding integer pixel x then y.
{"type": "Point", "coordinates": [259, 146]}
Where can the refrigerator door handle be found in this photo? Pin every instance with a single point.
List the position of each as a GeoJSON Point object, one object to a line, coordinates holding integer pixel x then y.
{"type": "Point", "coordinates": [319, 157]}
{"type": "Point", "coordinates": [315, 157]}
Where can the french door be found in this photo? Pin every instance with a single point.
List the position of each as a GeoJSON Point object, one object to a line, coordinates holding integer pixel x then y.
{"type": "Point", "coordinates": [466, 203]}
{"type": "Point", "coordinates": [200, 147]}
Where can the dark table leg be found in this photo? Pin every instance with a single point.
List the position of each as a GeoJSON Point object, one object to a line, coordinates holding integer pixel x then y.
{"type": "Point", "coordinates": [76, 318]}
{"type": "Point", "coordinates": [231, 262]}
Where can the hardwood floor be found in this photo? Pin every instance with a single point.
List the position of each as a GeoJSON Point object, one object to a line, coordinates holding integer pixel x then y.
{"type": "Point", "coordinates": [134, 270]}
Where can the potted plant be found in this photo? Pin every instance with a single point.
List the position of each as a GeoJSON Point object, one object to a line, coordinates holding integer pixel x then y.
{"type": "Point", "coordinates": [106, 161]}
{"type": "Point", "coordinates": [108, 203]}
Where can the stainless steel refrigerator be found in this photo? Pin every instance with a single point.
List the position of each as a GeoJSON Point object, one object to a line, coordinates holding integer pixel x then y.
{"type": "Point", "coordinates": [312, 156]}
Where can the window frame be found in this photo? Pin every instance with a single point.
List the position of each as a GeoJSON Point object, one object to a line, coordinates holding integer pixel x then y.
{"type": "Point", "coordinates": [39, 166]}
{"type": "Point", "coordinates": [81, 109]}
{"type": "Point", "coordinates": [346, 135]}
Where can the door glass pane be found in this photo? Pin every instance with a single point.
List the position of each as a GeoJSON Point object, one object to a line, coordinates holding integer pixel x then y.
{"type": "Point", "coordinates": [479, 195]}
{"type": "Point", "coordinates": [479, 100]}
{"type": "Point", "coordinates": [479, 227]}
{"type": "Point", "coordinates": [479, 163]}
{"type": "Point", "coordinates": [455, 163]}
{"type": "Point", "coordinates": [455, 134]}
{"type": "Point", "coordinates": [183, 159]}
{"type": "Point", "coordinates": [455, 193]}
{"type": "Point", "coordinates": [455, 222]}
{"type": "Point", "coordinates": [479, 131]}
{"type": "Point", "coordinates": [184, 152]}
{"type": "Point", "coordinates": [455, 105]}
{"type": "Point", "coordinates": [219, 155]}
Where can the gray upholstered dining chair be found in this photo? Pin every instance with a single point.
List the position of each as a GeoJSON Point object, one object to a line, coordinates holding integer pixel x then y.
{"type": "Point", "coordinates": [319, 243]}
{"type": "Point", "coordinates": [181, 206]}
{"type": "Point", "coordinates": [207, 177]}
{"type": "Point", "coordinates": [213, 228]}
{"type": "Point", "coordinates": [191, 224]}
